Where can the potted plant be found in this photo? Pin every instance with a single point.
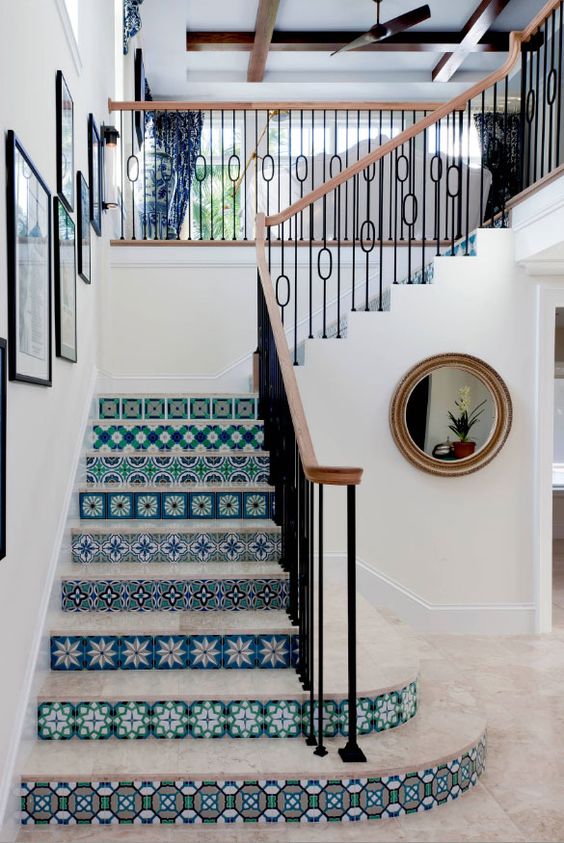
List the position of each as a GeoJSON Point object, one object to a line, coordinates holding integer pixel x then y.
{"type": "Point", "coordinates": [462, 423]}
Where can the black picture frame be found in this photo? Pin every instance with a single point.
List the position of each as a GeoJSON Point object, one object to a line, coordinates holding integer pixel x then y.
{"type": "Point", "coordinates": [29, 268]}
{"type": "Point", "coordinates": [3, 419]}
{"type": "Point", "coordinates": [65, 142]}
{"type": "Point", "coordinates": [65, 283]}
{"type": "Point", "coordinates": [83, 234]}
{"type": "Point", "coordinates": [95, 175]}
{"type": "Point", "coordinates": [139, 75]}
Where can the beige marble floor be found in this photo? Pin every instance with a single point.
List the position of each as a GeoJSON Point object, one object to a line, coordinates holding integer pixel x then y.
{"type": "Point", "coordinates": [517, 682]}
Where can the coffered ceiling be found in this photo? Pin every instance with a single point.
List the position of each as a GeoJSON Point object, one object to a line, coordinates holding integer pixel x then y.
{"type": "Point", "coordinates": [186, 57]}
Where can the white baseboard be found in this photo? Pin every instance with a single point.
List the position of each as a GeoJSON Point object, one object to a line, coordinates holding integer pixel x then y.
{"type": "Point", "coordinates": [458, 618]}
{"type": "Point", "coordinates": [9, 786]}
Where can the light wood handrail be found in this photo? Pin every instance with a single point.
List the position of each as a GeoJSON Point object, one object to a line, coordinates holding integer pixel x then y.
{"type": "Point", "coordinates": [456, 104]}
{"type": "Point", "coordinates": [330, 475]}
{"type": "Point", "coordinates": [257, 105]}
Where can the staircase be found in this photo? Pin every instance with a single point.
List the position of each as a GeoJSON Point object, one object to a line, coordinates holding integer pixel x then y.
{"type": "Point", "coordinates": [173, 628]}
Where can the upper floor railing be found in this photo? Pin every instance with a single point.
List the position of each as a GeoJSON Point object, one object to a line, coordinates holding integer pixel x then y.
{"type": "Point", "coordinates": [201, 172]}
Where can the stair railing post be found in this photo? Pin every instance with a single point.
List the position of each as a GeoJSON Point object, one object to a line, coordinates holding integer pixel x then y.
{"type": "Point", "coordinates": [351, 752]}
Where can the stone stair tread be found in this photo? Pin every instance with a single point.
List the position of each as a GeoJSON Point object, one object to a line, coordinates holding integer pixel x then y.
{"type": "Point", "coordinates": [204, 394]}
{"type": "Point", "coordinates": [438, 734]}
{"type": "Point", "coordinates": [170, 525]}
{"type": "Point", "coordinates": [176, 422]}
{"type": "Point", "coordinates": [170, 623]}
{"type": "Point", "coordinates": [167, 570]}
{"type": "Point", "coordinates": [374, 678]}
{"type": "Point", "coordinates": [167, 454]}
{"type": "Point", "coordinates": [171, 488]}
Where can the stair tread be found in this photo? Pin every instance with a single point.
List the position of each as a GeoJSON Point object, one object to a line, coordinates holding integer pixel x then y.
{"type": "Point", "coordinates": [170, 623]}
{"type": "Point", "coordinates": [167, 570]}
{"type": "Point", "coordinates": [180, 525]}
{"type": "Point", "coordinates": [437, 734]}
{"type": "Point", "coordinates": [171, 488]}
{"type": "Point", "coordinates": [175, 422]}
{"type": "Point", "coordinates": [185, 453]}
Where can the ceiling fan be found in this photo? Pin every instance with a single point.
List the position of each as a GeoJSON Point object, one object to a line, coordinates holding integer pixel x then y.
{"type": "Point", "coordinates": [381, 31]}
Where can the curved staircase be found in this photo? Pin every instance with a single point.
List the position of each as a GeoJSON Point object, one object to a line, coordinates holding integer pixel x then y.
{"type": "Point", "coordinates": [173, 695]}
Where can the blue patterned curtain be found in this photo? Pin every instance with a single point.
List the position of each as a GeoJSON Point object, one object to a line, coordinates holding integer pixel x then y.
{"type": "Point", "coordinates": [131, 21]}
{"type": "Point", "coordinates": [175, 135]}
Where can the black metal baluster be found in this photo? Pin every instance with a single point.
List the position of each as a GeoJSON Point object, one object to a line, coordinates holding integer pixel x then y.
{"type": "Point", "coordinates": [121, 151]}
{"type": "Point", "coordinates": [351, 752]}
{"type": "Point", "coordinates": [559, 86]}
{"type": "Point", "coordinates": [320, 749]}
{"type": "Point", "coordinates": [467, 227]}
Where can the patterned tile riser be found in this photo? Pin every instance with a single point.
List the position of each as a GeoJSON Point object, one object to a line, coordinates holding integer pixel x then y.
{"type": "Point", "coordinates": [149, 547]}
{"type": "Point", "coordinates": [266, 801]}
{"type": "Point", "coordinates": [175, 505]}
{"type": "Point", "coordinates": [168, 595]}
{"type": "Point", "coordinates": [239, 436]}
{"type": "Point", "coordinates": [241, 651]}
{"type": "Point", "coordinates": [218, 719]}
{"type": "Point", "coordinates": [178, 407]}
{"type": "Point", "coordinates": [169, 469]}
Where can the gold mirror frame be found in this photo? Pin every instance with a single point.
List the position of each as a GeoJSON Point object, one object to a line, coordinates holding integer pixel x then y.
{"type": "Point", "coordinates": [498, 436]}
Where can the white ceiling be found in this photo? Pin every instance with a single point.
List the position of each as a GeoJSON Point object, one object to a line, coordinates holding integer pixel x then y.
{"type": "Point", "coordinates": [175, 73]}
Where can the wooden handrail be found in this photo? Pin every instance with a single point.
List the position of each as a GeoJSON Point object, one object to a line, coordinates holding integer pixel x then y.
{"type": "Point", "coordinates": [456, 104]}
{"type": "Point", "coordinates": [537, 21]}
{"type": "Point", "coordinates": [283, 105]}
{"type": "Point", "coordinates": [330, 475]}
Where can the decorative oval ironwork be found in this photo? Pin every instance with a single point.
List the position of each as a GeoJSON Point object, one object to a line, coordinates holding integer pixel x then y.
{"type": "Point", "coordinates": [270, 160]}
{"type": "Point", "coordinates": [133, 168]}
{"type": "Point", "coordinates": [402, 158]}
{"type": "Point", "coordinates": [369, 172]}
{"type": "Point", "coordinates": [282, 304]}
{"type": "Point", "coordinates": [531, 105]}
{"type": "Point", "coordinates": [237, 160]}
{"type": "Point", "coordinates": [454, 168]}
{"type": "Point", "coordinates": [551, 86]}
{"type": "Point", "coordinates": [331, 160]}
{"type": "Point", "coordinates": [367, 240]}
{"type": "Point", "coordinates": [301, 160]}
{"type": "Point", "coordinates": [329, 272]}
{"type": "Point", "coordinates": [436, 161]}
{"type": "Point", "coordinates": [411, 203]}
{"type": "Point", "coordinates": [200, 168]}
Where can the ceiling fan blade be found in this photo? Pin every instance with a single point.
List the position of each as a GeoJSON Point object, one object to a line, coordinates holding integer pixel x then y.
{"type": "Point", "coordinates": [375, 34]}
{"type": "Point", "coordinates": [406, 21]}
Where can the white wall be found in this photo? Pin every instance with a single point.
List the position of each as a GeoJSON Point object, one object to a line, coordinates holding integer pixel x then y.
{"type": "Point", "coordinates": [179, 318]}
{"type": "Point", "coordinates": [455, 552]}
{"type": "Point", "coordinates": [44, 425]}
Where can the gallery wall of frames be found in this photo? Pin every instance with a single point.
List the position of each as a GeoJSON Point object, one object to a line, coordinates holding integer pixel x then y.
{"type": "Point", "coordinates": [49, 244]}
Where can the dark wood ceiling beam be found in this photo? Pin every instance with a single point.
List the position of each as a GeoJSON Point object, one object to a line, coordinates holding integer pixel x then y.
{"type": "Point", "coordinates": [473, 31]}
{"type": "Point", "coordinates": [407, 42]}
{"type": "Point", "coordinates": [264, 28]}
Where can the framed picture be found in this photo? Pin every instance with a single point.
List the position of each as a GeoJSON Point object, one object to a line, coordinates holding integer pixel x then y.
{"type": "Point", "coordinates": [95, 175]}
{"type": "Point", "coordinates": [29, 268]}
{"type": "Point", "coordinates": [65, 142]}
{"type": "Point", "coordinates": [65, 283]}
{"type": "Point", "coordinates": [139, 95]}
{"type": "Point", "coordinates": [3, 390]}
{"type": "Point", "coordinates": [83, 226]}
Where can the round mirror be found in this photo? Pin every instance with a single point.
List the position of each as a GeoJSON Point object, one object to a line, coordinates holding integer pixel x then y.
{"type": "Point", "coordinates": [451, 414]}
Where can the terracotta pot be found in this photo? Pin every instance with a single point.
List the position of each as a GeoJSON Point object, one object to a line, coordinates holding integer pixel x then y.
{"type": "Point", "coordinates": [463, 449]}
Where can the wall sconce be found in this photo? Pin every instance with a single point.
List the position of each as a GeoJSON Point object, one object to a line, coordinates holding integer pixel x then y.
{"type": "Point", "coordinates": [110, 137]}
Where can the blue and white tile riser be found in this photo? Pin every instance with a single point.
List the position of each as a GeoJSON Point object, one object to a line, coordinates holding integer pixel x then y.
{"type": "Point", "coordinates": [296, 799]}
{"type": "Point", "coordinates": [156, 436]}
{"type": "Point", "coordinates": [145, 546]}
{"type": "Point", "coordinates": [212, 718]}
{"type": "Point", "coordinates": [212, 651]}
{"type": "Point", "coordinates": [178, 407]}
{"type": "Point", "coordinates": [177, 504]}
{"type": "Point", "coordinates": [171, 469]}
{"type": "Point", "coordinates": [175, 595]}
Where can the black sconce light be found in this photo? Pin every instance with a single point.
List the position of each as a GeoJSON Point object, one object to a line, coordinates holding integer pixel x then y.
{"type": "Point", "coordinates": [110, 137]}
